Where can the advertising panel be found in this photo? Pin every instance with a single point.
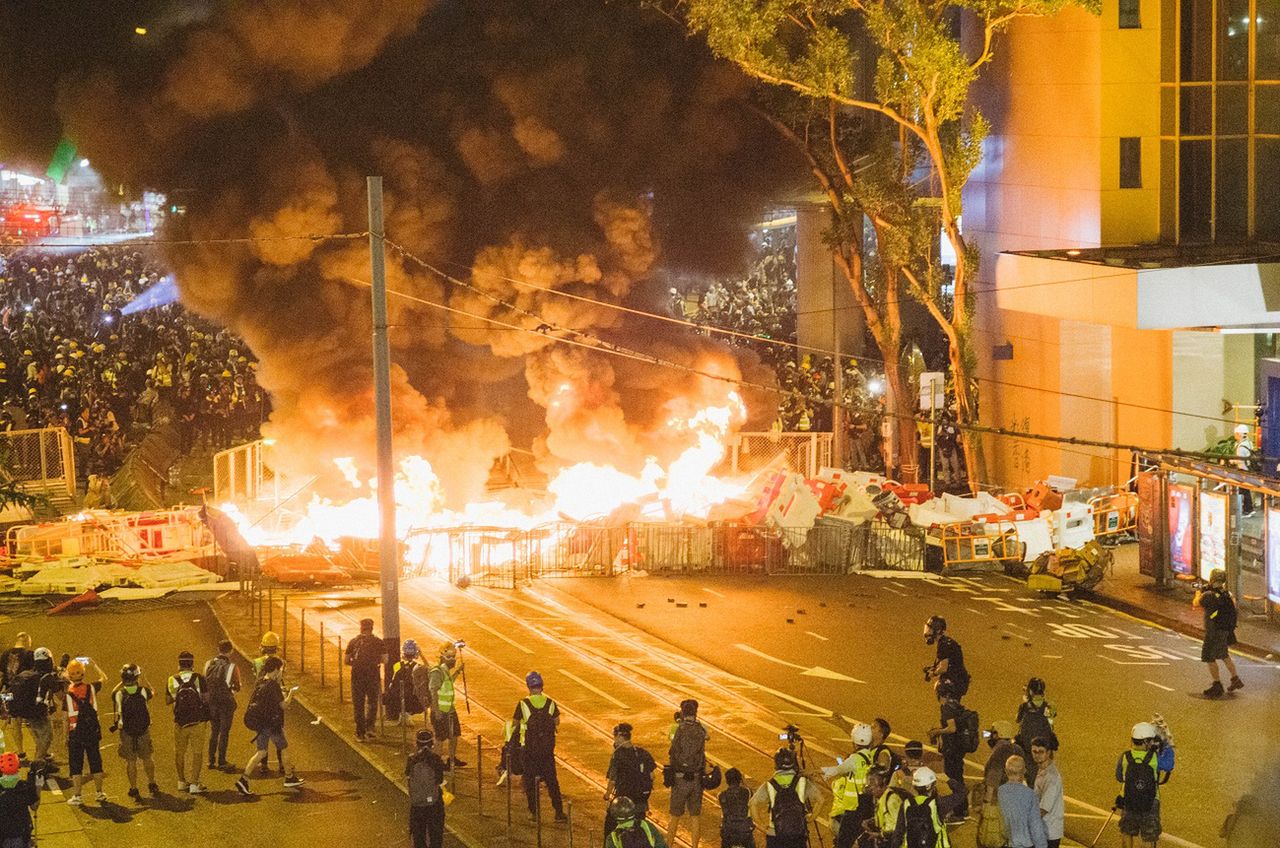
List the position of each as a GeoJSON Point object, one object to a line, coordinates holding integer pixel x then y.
{"type": "Point", "coordinates": [1213, 532]}
{"type": "Point", "coordinates": [1182, 532]}
{"type": "Point", "coordinates": [1148, 485]}
{"type": "Point", "coordinates": [1273, 554]}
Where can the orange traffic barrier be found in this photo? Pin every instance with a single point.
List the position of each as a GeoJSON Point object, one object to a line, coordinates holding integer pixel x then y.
{"type": "Point", "coordinates": [1114, 514]}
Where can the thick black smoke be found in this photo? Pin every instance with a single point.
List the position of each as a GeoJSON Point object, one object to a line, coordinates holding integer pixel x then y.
{"type": "Point", "coordinates": [568, 144]}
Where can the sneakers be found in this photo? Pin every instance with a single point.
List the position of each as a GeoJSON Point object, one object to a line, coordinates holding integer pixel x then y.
{"type": "Point", "coordinates": [293, 782]}
{"type": "Point", "coordinates": [502, 778]}
{"type": "Point", "coordinates": [75, 801]}
{"type": "Point", "coordinates": [1236, 683]}
{"type": "Point", "coordinates": [242, 786]}
{"type": "Point", "coordinates": [101, 797]}
{"type": "Point", "coordinates": [458, 763]}
{"type": "Point", "coordinates": [1215, 691]}
{"type": "Point", "coordinates": [183, 786]}
{"type": "Point", "coordinates": [153, 788]}
{"type": "Point", "coordinates": [196, 789]}
{"type": "Point", "coordinates": [560, 816]}
{"type": "Point", "coordinates": [134, 793]}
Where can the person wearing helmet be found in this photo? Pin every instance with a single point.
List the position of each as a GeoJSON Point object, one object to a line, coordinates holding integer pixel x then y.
{"type": "Point", "coordinates": [133, 721]}
{"type": "Point", "coordinates": [18, 798]}
{"type": "Point", "coordinates": [851, 802]}
{"type": "Point", "coordinates": [687, 759]}
{"type": "Point", "coordinates": [265, 716]}
{"type": "Point", "coordinates": [269, 647]}
{"type": "Point", "coordinates": [534, 725]}
{"type": "Point", "coordinates": [948, 665]}
{"type": "Point", "coordinates": [425, 773]}
{"type": "Point", "coordinates": [27, 704]}
{"type": "Point", "coordinates": [1138, 770]}
{"type": "Point", "coordinates": [784, 803]}
{"type": "Point", "coordinates": [12, 663]}
{"type": "Point", "coordinates": [1035, 720]}
{"type": "Point", "coordinates": [365, 655]}
{"type": "Point", "coordinates": [630, 772]}
{"type": "Point", "coordinates": [439, 699]}
{"type": "Point", "coordinates": [1244, 459]}
{"type": "Point", "coordinates": [630, 828]}
{"type": "Point", "coordinates": [736, 827]}
{"type": "Point", "coordinates": [187, 692]}
{"type": "Point", "coordinates": [84, 733]}
{"type": "Point", "coordinates": [918, 818]}
{"type": "Point", "coordinates": [947, 737]}
{"type": "Point", "coordinates": [1020, 809]}
{"type": "Point", "coordinates": [1220, 618]}
{"type": "Point", "coordinates": [400, 699]}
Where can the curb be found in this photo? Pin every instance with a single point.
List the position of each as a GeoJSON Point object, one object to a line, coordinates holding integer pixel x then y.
{"type": "Point", "coordinates": [1173, 623]}
{"type": "Point", "coordinates": [393, 777]}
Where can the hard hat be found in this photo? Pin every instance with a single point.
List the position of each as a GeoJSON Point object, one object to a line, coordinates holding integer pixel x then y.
{"type": "Point", "coordinates": [861, 735]}
{"type": "Point", "coordinates": [1218, 576]}
{"type": "Point", "coordinates": [448, 648]}
{"type": "Point", "coordinates": [784, 759]}
{"type": "Point", "coordinates": [1145, 730]}
{"type": "Point", "coordinates": [1035, 686]}
{"type": "Point", "coordinates": [410, 648]}
{"type": "Point", "coordinates": [1242, 429]}
{"type": "Point", "coordinates": [533, 680]}
{"type": "Point", "coordinates": [22, 640]}
{"type": "Point", "coordinates": [622, 809]}
{"type": "Point", "coordinates": [42, 654]}
{"type": "Point", "coordinates": [130, 673]}
{"type": "Point", "coordinates": [9, 763]}
{"type": "Point", "coordinates": [923, 777]}
{"type": "Point", "coordinates": [75, 670]}
{"type": "Point", "coordinates": [425, 737]}
{"type": "Point", "coordinates": [270, 640]}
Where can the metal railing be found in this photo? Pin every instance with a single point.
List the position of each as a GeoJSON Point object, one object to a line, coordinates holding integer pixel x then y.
{"type": "Point", "coordinates": [805, 453]}
{"type": "Point", "coordinates": [40, 461]}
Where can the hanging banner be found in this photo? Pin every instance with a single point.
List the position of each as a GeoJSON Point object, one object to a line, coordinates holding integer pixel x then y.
{"type": "Point", "coordinates": [1213, 532]}
{"type": "Point", "coordinates": [1273, 554]}
{"type": "Point", "coordinates": [1148, 485]}
{"type": "Point", "coordinates": [1182, 531]}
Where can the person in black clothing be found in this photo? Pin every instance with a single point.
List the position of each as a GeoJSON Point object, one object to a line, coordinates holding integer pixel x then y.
{"type": "Point", "coordinates": [736, 826]}
{"type": "Point", "coordinates": [630, 774]}
{"type": "Point", "coordinates": [425, 773]}
{"type": "Point", "coordinates": [365, 656]}
{"type": "Point", "coordinates": [223, 679]}
{"type": "Point", "coordinates": [1219, 632]}
{"type": "Point", "coordinates": [535, 721]}
{"type": "Point", "coordinates": [267, 708]}
{"type": "Point", "coordinates": [18, 798]}
{"type": "Point", "coordinates": [948, 742]}
{"type": "Point", "coordinates": [948, 667]}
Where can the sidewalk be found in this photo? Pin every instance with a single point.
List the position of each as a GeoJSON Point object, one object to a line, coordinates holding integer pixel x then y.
{"type": "Point", "coordinates": [1135, 594]}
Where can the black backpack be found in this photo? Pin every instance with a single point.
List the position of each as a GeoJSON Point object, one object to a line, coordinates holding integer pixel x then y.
{"type": "Point", "coordinates": [915, 825]}
{"type": "Point", "coordinates": [1139, 782]}
{"type": "Point", "coordinates": [401, 686]}
{"type": "Point", "coordinates": [135, 718]}
{"type": "Point", "coordinates": [1035, 724]}
{"type": "Point", "coordinates": [967, 733]}
{"type": "Point", "coordinates": [688, 751]}
{"type": "Point", "coordinates": [539, 727]}
{"type": "Point", "coordinates": [215, 679]}
{"type": "Point", "coordinates": [1226, 617]}
{"type": "Point", "coordinates": [260, 716]}
{"type": "Point", "coordinates": [635, 773]}
{"type": "Point", "coordinates": [189, 706]}
{"type": "Point", "coordinates": [788, 812]}
{"type": "Point", "coordinates": [87, 726]}
{"type": "Point", "coordinates": [25, 689]}
{"type": "Point", "coordinates": [633, 837]}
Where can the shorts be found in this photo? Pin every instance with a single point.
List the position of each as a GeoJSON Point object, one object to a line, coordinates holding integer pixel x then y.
{"type": "Point", "coordinates": [78, 750]}
{"type": "Point", "coordinates": [1146, 825]}
{"type": "Point", "coordinates": [1216, 645]}
{"type": "Point", "coordinates": [133, 747]}
{"type": "Point", "coordinates": [446, 725]}
{"type": "Point", "coordinates": [686, 796]}
{"type": "Point", "coordinates": [42, 729]}
{"type": "Point", "coordinates": [270, 737]}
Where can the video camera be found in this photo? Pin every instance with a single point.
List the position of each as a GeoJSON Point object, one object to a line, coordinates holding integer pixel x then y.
{"type": "Point", "coordinates": [791, 735]}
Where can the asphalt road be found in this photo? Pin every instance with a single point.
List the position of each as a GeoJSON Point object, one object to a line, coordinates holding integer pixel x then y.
{"type": "Point", "coordinates": [852, 646]}
{"type": "Point", "coordinates": [345, 801]}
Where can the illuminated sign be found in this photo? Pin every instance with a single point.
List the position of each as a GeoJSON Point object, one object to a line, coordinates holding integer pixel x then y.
{"type": "Point", "coordinates": [1182, 532]}
{"type": "Point", "coordinates": [1273, 554]}
{"type": "Point", "coordinates": [1213, 532]}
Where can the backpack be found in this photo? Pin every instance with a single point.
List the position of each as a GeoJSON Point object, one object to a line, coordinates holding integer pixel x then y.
{"type": "Point", "coordinates": [25, 689]}
{"type": "Point", "coordinates": [635, 773]}
{"type": "Point", "coordinates": [689, 749]}
{"type": "Point", "coordinates": [895, 762]}
{"type": "Point", "coordinates": [967, 733]}
{"type": "Point", "coordinates": [539, 727]}
{"type": "Point", "coordinates": [632, 837]}
{"type": "Point", "coordinates": [424, 783]}
{"type": "Point", "coordinates": [1139, 782]}
{"type": "Point", "coordinates": [1035, 724]}
{"type": "Point", "coordinates": [787, 809]}
{"type": "Point", "coordinates": [135, 718]}
{"type": "Point", "coordinates": [189, 706]}
{"type": "Point", "coordinates": [915, 825]}
{"type": "Point", "coordinates": [401, 686]}
{"type": "Point", "coordinates": [258, 716]}
{"type": "Point", "coordinates": [215, 678]}
{"type": "Point", "coordinates": [87, 727]}
{"type": "Point", "coordinates": [1226, 617]}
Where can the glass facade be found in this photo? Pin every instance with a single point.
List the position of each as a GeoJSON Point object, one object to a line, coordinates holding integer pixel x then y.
{"type": "Point", "coordinates": [1220, 121]}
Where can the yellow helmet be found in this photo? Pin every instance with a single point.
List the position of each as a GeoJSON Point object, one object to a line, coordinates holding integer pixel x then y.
{"type": "Point", "coordinates": [270, 640]}
{"type": "Point", "coordinates": [75, 670]}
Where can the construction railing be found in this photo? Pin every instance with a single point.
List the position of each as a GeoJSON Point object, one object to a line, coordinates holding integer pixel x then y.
{"type": "Point", "coordinates": [805, 453]}
{"type": "Point", "coordinates": [41, 462]}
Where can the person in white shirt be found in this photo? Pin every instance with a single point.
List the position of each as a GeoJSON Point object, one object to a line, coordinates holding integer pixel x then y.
{"type": "Point", "coordinates": [1048, 789]}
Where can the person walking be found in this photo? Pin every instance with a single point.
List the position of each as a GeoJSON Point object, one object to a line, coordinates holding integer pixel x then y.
{"type": "Point", "coordinates": [535, 720]}
{"type": "Point", "coordinates": [953, 748]}
{"type": "Point", "coordinates": [365, 655]}
{"type": "Point", "coordinates": [425, 773]}
{"type": "Point", "coordinates": [736, 827]}
{"type": "Point", "coordinates": [265, 717]}
{"type": "Point", "coordinates": [84, 732]}
{"type": "Point", "coordinates": [222, 677]}
{"type": "Point", "coordinates": [687, 757]}
{"type": "Point", "coordinates": [1220, 618]}
{"type": "Point", "coordinates": [133, 721]}
{"type": "Point", "coordinates": [851, 802]}
{"type": "Point", "coordinates": [1049, 790]}
{"type": "Point", "coordinates": [439, 698]}
{"type": "Point", "coordinates": [630, 774]}
{"type": "Point", "coordinates": [784, 803]}
{"type": "Point", "coordinates": [18, 798]}
{"type": "Point", "coordinates": [28, 704]}
{"type": "Point", "coordinates": [948, 665]}
{"type": "Point", "coordinates": [1023, 825]}
{"type": "Point", "coordinates": [187, 692]}
{"type": "Point", "coordinates": [1035, 720]}
{"type": "Point", "coordinates": [1138, 770]}
{"type": "Point", "coordinates": [267, 648]}
{"type": "Point", "coordinates": [631, 830]}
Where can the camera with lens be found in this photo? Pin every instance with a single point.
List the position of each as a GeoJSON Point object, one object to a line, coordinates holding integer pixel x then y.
{"type": "Point", "coordinates": [459, 645]}
{"type": "Point", "coordinates": [790, 735]}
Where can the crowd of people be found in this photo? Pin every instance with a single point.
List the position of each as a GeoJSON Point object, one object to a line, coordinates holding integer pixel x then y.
{"type": "Point", "coordinates": [70, 357]}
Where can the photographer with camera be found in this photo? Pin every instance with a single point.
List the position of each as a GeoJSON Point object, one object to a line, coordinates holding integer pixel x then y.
{"type": "Point", "coordinates": [948, 665]}
{"type": "Point", "coordinates": [1220, 617]}
{"type": "Point", "coordinates": [687, 758]}
{"type": "Point", "coordinates": [1139, 770]}
{"type": "Point", "coordinates": [18, 799]}
{"type": "Point", "coordinates": [439, 698]}
{"type": "Point", "coordinates": [784, 803]}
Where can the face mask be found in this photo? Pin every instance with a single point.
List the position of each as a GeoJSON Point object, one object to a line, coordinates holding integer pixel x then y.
{"type": "Point", "coordinates": [992, 741]}
{"type": "Point", "coordinates": [449, 661]}
{"type": "Point", "coordinates": [9, 781]}
{"type": "Point", "coordinates": [132, 690]}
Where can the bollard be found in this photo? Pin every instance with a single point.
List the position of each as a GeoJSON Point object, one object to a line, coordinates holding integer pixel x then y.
{"type": "Point", "coordinates": [479, 774]}
{"type": "Point", "coordinates": [537, 808]}
{"type": "Point", "coordinates": [510, 780]}
{"type": "Point", "coordinates": [339, 669]}
{"type": "Point", "coordinates": [284, 626]}
{"type": "Point", "coordinates": [302, 643]}
{"type": "Point", "coordinates": [271, 609]}
{"type": "Point", "coordinates": [569, 815]}
{"type": "Point", "coordinates": [322, 653]}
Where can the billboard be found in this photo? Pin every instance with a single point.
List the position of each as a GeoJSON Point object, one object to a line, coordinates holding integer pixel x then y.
{"type": "Point", "coordinates": [1273, 554]}
{"type": "Point", "coordinates": [1182, 532]}
{"type": "Point", "coordinates": [1213, 532]}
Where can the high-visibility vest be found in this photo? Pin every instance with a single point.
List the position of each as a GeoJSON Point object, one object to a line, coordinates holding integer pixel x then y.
{"type": "Point", "coordinates": [615, 838]}
{"type": "Point", "coordinates": [444, 696]}
{"type": "Point", "coordinates": [73, 706]}
{"type": "Point", "coordinates": [846, 788]}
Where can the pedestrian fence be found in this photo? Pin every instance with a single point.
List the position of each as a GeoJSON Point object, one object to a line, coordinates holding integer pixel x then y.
{"type": "Point", "coordinates": [805, 453]}
{"type": "Point", "coordinates": [40, 462]}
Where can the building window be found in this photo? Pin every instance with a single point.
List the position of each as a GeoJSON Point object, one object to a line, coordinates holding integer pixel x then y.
{"type": "Point", "coordinates": [1130, 163]}
{"type": "Point", "coordinates": [1129, 14]}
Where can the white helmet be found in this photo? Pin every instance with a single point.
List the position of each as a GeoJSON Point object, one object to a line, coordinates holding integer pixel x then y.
{"type": "Point", "coordinates": [1145, 730]}
{"type": "Point", "coordinates": [861, 735]}
{"type": "Point", "coordinates": [1242, 429]}
{"type": "Point", "coordinates": [923, 777]}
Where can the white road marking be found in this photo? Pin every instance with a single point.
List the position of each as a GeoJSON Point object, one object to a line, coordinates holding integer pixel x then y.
{"type": "Point", "coordinates": [1052, 656]}
{"type": "Point", "coordinates": [894, 591]}
{"type": "Point", "coordinates": [1158, 685]}
{"type": "Point", "coordinates": [976, 612]}
{"type": "Point", "coordinates": [600, 692]}
{"type": "Point", "coordinates": [1127, 662]}
{"type": "Point", "coordinates": [816, 636]}
{"type": "Point", "coordinates": [512, 642]}
{"type": "Point", "coordinates": [712, 592]}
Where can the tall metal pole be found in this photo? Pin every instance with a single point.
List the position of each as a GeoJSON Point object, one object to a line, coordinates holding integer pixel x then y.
{"type": "Point", "coordinates": [388, 547]}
